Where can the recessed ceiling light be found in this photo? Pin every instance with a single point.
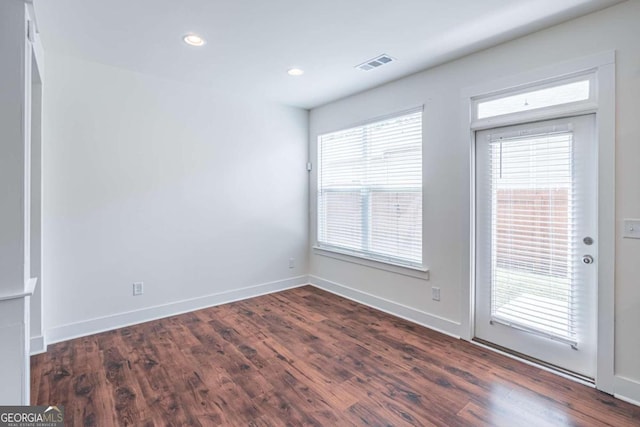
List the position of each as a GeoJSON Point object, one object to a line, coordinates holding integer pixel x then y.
{"type": "Point", "coordinates": [295, 72]}
{"type": "Point", "coordinates": [193, 40]}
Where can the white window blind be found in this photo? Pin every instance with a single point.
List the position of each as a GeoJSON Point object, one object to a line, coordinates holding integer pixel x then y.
{"type": "Point", "coordinates": [532, 233]}
{"type": "Point", "coordinates": [370, 190]}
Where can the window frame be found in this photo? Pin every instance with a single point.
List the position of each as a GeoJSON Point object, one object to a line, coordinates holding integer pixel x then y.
{"type": "Point", "coordinates": [360, 256]}
{"type": "Point", "coordinates": [542, 113]}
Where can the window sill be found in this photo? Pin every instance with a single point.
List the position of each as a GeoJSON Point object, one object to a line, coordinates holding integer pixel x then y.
{"type": "Point", "coordinates": [416, 272]}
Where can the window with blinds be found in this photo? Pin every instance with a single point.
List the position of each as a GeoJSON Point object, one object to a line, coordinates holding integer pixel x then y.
{"type": "Point", "coordinates": [370, 190]}
{"type": "Point", "coordinates": [532, 230]}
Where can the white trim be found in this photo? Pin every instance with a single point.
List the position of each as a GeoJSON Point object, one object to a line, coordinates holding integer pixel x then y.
{"type": "Point", "coordinates": [604, 65]}
{"type": "Point", "coordinates": [29, 286]}
{"type": "Point", "coordinates": [376, 119]}
{"type": "Point", "coordinates": [38, 51]}
{"type": "Point", "coordinates": [120, 320]}
{"type": "Point", "coordinates": [550, 113]}
{"type": "Point", "coordinates": [565, 68]}
{"type": "Point", "coordinates": [528, 87]}
{"type": "Point", "coordinates": [437, 323]}
{"type": "Point", "coordinates": [467, 286]}
{"type": "Point", "coordinates": [367, 258]}
{"type": "Point", "coordinates": [606, 136]}
{"type": "Point", "coordinates": [627, 389]}
{"type": "Point", "coordinates": [406, 270]}
{"type": "Point", "coordinates": [37, 345]}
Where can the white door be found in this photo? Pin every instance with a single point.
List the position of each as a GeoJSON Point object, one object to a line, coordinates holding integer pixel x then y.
{"type": "Point", "coordinates": [536, 248]}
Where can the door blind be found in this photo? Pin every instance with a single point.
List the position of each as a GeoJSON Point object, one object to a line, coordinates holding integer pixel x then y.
{"type": "Point", "coordinates": [370, 190]}
{"type": "Point", "coordinates": [532, 232]}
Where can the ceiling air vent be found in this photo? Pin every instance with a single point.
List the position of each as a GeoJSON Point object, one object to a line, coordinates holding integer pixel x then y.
{"type": "Point", "coordinates": [375, 62]}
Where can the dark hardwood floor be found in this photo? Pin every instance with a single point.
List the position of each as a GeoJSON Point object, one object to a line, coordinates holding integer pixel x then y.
{"type": "Point", "coordinates": [303, 357]}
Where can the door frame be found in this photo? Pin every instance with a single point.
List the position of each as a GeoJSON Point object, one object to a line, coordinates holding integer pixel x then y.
{"type": "Point", "coordinates": [603, 66]}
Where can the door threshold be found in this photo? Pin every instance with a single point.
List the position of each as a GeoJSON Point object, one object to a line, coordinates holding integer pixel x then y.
{"type": "Point", "coordinates": [565, 373]}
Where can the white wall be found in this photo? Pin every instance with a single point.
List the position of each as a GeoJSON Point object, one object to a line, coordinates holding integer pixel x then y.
{"type": "Point", "coordinates": [12, 147]}
{"type": "Point", "coordinates": [36, 320]}
{"type": "Point", "coordinates": [447, 172]}
{"type": "Point", "coordinates": [15, 72]}
{"type": "Point", "coordinates": [193, 192]}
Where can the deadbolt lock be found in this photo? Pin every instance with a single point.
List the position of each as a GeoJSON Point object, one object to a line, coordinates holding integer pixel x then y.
{"type": "Point", "coordinates": [587, 259]}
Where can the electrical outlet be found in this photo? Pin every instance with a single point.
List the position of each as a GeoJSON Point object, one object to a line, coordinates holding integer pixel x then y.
{"type": "Point", "coordinates": [435, 294]}
{"type": "Point", "coordinates": [292, 262]}
{"type": "Point", "coordinates": [138, 288]}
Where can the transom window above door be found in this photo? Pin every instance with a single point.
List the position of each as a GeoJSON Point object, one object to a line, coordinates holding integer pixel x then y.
{"type": "Point", "coordinates": [551, 99]}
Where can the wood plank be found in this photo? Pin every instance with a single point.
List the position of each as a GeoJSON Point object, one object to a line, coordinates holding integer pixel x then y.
{"type": "Point", "coordinates": [303, 357]}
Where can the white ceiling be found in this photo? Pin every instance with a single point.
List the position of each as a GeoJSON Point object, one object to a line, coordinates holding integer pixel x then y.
{"type": "Point", "coordinates": [252, 43]}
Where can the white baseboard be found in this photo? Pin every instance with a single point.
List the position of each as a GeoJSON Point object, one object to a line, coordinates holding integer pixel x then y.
{"type": "Point", "coordinates": [437, 323]}
{"type": "Point", "coordinates": [119, 320]}
{"type": "Point", "coordinates": [627, 390]}
{"type": "Point", "coordinates": [37, 345]}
